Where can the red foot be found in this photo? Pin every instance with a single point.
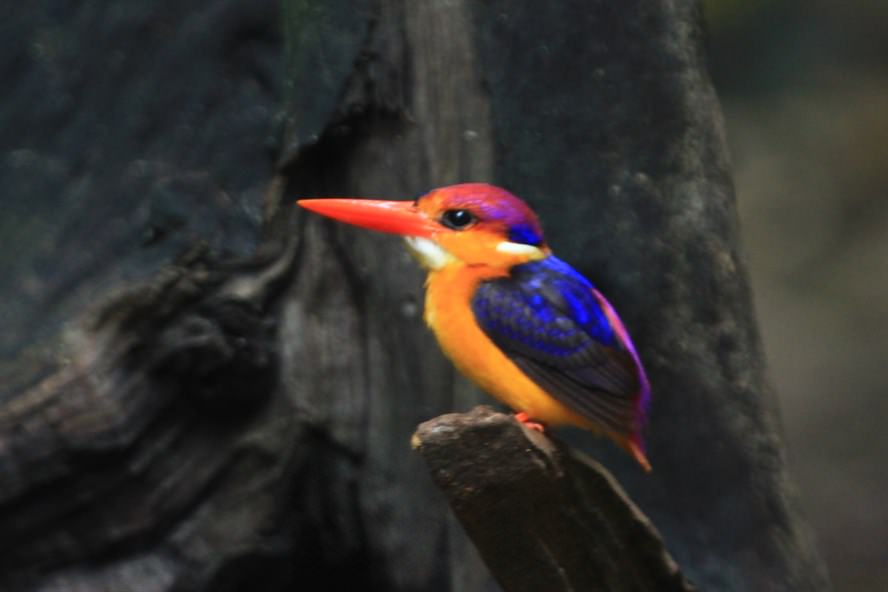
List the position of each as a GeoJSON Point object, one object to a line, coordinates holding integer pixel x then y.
{"type": "Point", "coordinates": [524, 418]}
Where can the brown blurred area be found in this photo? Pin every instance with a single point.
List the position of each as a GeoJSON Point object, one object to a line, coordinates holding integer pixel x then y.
{"type": "Point", "coordinates": [804, 86]}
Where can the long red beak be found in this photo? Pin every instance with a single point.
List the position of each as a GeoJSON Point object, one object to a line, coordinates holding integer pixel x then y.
{"type": "Point", "coordinates": [394, 217]}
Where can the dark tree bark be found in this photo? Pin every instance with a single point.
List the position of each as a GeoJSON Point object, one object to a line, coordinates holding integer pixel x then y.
{"type": "Point", "coordinates": [240, 420]}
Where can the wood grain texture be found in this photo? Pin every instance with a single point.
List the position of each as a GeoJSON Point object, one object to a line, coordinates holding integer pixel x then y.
{"type": "Point", "coordinates": [141, 451]}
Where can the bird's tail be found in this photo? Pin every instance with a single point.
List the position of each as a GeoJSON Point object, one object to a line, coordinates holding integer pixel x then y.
{"type": "Point", "coordinates": [635, 447]}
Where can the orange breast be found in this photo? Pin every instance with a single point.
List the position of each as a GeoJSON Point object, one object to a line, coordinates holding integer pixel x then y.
{"type": "Point", "coordinates": [449, 313]}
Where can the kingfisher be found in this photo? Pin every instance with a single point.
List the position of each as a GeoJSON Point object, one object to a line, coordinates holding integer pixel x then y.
{"type": "Point", "coordinates": [521, 323]}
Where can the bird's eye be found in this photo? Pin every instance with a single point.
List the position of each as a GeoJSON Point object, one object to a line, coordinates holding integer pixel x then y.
{"type": "Point", "coordinates": [458, 219]}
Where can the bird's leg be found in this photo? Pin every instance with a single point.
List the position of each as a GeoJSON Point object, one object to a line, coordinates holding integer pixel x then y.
{"type": "Point", "coordinates": [524, 418]}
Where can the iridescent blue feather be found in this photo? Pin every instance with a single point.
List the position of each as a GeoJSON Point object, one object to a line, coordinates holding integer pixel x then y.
{"type": "Point", "coordinates": [550, 322]}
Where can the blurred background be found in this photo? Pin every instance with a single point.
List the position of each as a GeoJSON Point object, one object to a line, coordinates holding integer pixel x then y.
{"type": "Point", "coordinates": [804, 87]}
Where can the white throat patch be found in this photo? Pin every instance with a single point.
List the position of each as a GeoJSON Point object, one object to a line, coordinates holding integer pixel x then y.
{"type": "Point", "coordinates": [429, 253]}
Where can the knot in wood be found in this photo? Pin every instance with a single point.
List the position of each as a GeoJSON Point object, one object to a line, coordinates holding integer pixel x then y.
{"type": "Point", "coordinates": [222, 356]}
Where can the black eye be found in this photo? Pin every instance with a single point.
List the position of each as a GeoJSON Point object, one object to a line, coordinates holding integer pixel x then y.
{"type": "Point", "coordinates": [458, 219]}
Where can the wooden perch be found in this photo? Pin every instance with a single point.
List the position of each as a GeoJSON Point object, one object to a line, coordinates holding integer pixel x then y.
{"type": "Point", "coordinates": [543, 516]}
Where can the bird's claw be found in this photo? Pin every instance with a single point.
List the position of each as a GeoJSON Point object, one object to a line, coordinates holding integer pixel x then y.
{"type": "Point", "coordinates": [527, 422]}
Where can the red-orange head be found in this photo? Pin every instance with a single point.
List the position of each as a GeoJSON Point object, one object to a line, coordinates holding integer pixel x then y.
{"type": "Point", "coordinates": [473, 223]}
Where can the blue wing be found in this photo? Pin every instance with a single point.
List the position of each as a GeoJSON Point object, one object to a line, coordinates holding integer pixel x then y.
{"type": "Point", "coordinates": [554, 326]}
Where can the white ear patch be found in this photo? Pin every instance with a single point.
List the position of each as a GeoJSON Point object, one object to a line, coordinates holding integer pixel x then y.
{"type": "Point", "coordinates": [510, 248]}
{"type": "Point", "coordinates": [429, 253]}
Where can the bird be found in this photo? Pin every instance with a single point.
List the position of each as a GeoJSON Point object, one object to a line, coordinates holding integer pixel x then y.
{"type": "Point", "coordinates": [521, 323]}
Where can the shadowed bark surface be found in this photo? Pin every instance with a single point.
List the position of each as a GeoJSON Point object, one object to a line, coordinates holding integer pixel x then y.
{"type": "Point", "coordinates": [238, 417]}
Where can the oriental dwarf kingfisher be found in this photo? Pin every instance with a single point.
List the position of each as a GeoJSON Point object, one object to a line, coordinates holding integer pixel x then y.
{"type": "Point", "coordinates": [518, 321]}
